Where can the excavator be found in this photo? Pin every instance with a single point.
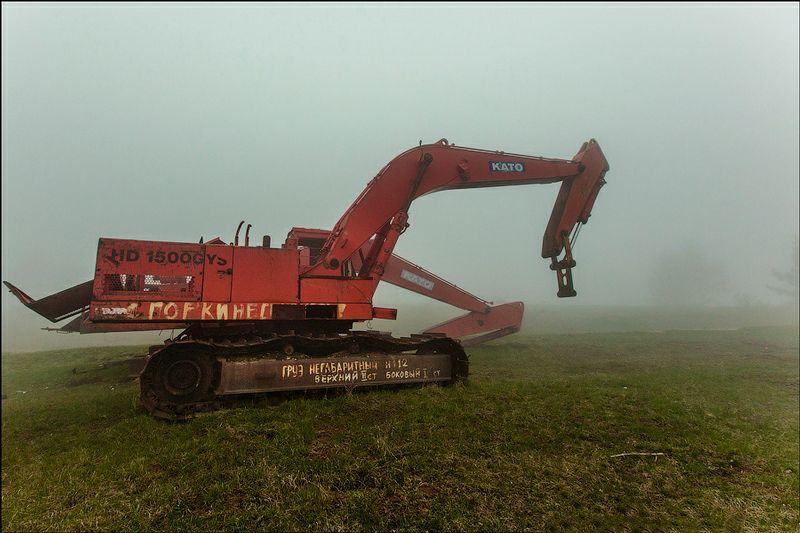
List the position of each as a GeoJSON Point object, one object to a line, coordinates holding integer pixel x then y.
{"type": "Point", "coordinates": [259, 319]}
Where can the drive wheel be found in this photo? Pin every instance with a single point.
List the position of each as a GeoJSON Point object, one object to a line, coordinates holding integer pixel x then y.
{"type": "Point", "coordinates": [178, 381]}
{"type": "Point", "coordinates": [182, 377]}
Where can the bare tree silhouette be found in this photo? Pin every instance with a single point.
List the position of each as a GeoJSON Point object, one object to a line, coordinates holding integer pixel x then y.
{"type": "Point", "coordinates": [790, 280]}
{"type": "Point", "coordinates": [688, 276]}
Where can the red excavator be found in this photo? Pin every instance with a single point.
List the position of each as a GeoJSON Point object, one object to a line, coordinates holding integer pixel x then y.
{"type": "Point", "coordinates": [260, 319]}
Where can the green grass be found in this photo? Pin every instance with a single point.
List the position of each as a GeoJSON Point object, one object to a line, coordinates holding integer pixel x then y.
{"type": "Point", "coordinates": [526, 444]}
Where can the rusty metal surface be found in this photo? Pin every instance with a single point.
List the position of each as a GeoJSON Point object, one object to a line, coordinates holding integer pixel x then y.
{"type": "Point", "coordinates": [189, 375]}
{"type": "Point", "coordinates": [128, 269]}
{"type": "Point", "coordinates": [267, 375]}
{"type": "Point", "coordinates": [60, 305]}
{"type": "Point", "coordinates": [486, 337]}
{"type": "Point", "coordinates": [496, 322]}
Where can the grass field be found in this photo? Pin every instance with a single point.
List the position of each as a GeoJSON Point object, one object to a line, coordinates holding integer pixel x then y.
{"type": "Point", "coordinates": [527, 443]}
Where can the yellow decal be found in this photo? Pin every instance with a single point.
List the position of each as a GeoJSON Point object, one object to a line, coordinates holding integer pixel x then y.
{"type": "Point", "coordinates": [153, 307]}
{"type": "Point", "coordinates": [171, 311]}
{"type": "Point", "coordinates": [188, 306]}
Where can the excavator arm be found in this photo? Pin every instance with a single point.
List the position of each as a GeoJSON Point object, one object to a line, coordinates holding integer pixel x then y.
{"type": "Point", "coordinates": [381, 211]}
{"type": "Point", "coordinates": [484, 321]}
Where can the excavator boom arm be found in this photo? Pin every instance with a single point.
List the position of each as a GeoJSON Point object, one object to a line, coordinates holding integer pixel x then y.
{"type": "Point", "coordinates": [381, 211]}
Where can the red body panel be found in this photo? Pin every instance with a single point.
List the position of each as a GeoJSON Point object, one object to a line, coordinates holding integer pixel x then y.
{"type": "Point", "coordinates": [146, 281]}
{"type": "Point", "coordinates": [217, 277]}
{"type": "Point", "coordinates": [175, 311]}
{"type": "Point", "coordinates": [148, 270]}
{"type": "Point", "coordinates": [264, 274]}
{"type": "Point", "coordinates": [336, 290]}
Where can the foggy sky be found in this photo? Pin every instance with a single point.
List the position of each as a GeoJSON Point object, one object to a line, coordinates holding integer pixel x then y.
{"type": "Point", "coordinates": [163, 122]}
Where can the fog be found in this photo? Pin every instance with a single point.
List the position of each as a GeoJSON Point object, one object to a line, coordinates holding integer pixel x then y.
{"type": "Point", "coordinates": [167, 122]}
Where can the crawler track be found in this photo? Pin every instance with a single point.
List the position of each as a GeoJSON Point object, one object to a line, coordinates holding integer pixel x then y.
{"type": "Point", "coordinates": [188, 376]}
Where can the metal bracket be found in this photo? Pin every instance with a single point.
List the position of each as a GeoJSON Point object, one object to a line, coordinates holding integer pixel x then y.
{"type": "Point", "coordinates": [563, 269]}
